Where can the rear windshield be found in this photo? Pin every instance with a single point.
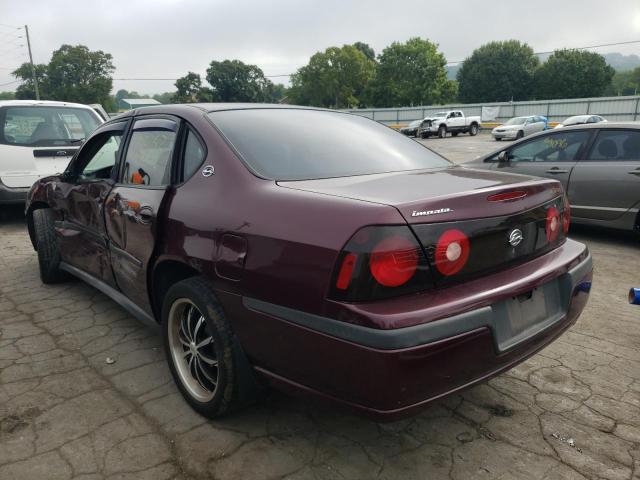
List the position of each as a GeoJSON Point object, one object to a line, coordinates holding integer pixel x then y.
{"type": "Point", "coordinates": [45, 126]}
{"type": "Point", "coordinates": [292, 144]}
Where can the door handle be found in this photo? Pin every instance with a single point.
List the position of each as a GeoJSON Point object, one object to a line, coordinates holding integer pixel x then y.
{"type": "Point", "coordinates": [556, 170]}
{"type": "Point", "coordinates": [145, 214]}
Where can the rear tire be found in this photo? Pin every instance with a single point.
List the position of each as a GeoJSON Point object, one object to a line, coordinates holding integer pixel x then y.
{"type": "Point", "coordinates": [47, 246]}
{"type": "Point", "coordinates": [473, 130]}
{"type": "Point", "coordinates": [442, 131]}
{"type": "Point", "coordinates": [204, 355]}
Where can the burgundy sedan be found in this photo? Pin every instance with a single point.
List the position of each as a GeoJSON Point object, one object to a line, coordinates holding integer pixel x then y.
{"type": "Point", "coordinates": [314, 251]}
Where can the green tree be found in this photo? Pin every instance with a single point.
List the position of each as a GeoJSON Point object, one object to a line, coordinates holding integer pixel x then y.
{"type": "Point", "coordinates": [366, 49]}
{"type": "Point", "coordinates": [189, 89]}
{"type": "Point", "coordinates": [625, 83]}
{"type": "Point", "coordinates": [335, 78]}
{"type": "Point", "coordinates": [26, 90]}
{"type": "Point", "coordinates": [276, 92]}
{"type": "Point", "coordinates": [7, 95]}
{"type": "Point", "coordinates": [410, 73]}
{"type": "Point", "coordinates": [498, 72]}
{"type": "Point", "coordinates": [573, 74]}
{"type": "Point", "coordinates": [77, 74]}
{"type": "Point", "coordinates": [165, 97]}
{"type": "Point", "coordinates": [235, 81]}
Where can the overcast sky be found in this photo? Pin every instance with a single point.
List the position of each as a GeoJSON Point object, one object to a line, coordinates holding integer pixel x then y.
{"type": "Point", "coordinates": [167, 38]}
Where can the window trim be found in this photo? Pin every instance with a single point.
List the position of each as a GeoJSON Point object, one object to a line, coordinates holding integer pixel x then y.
{"type": "Point", "coordinates": [179, 166]}
{"type": "Point", "coordinates": [594, 139]}
{"type": "Point", "coordinates": [493, 158]}
{"type": "Point", "coordinates": [125, 148]}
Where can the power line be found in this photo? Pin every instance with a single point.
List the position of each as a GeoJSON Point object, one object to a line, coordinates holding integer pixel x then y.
{"type": "Point", "coordinates": [9, 83]}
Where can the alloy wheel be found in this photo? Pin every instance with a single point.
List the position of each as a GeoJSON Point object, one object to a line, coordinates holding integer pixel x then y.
{"type": "Point", "coordinates": [193, 350]}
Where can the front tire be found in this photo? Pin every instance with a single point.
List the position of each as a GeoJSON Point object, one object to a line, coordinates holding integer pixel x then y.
{"type": "Point", "coordinates": [47, 246]}
{"type": "Point", "coordinates": [442, 131]}
{"type": "Point", "coordinates": [519, 135]}
{"type": "Point", "coordinates": [201, 349]}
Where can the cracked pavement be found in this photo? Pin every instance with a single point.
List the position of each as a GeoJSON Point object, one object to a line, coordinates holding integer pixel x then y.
{"type": "Point", "coordinates": [572, 411]}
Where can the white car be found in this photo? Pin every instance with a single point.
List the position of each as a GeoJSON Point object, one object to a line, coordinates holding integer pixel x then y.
{"type": "Point", "coordinates": [581, 119]}
{"type": "Point", "coordinates": [519, 127]}
{"type": "Point", "coordinates": [37, 139]}
{"type": "Point", "coordinates": [452, 121]}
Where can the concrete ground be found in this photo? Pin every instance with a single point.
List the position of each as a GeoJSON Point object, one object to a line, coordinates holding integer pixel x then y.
{"type": "Point", "coordinates": [85, 393]}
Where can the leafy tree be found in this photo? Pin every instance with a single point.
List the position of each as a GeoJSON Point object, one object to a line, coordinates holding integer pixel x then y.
{"type": "Point", "coordinates": [7, 95]}
{"type": "Point", "coordinates": [335, 78]}
{"type": "Point", "coordinates": [26, 90]}
{"type": "Point", "coordinates": [410, 73]}
{"type": "Point", "coordinates": [276, 92]}
{"type": "Point", "coordinates": [189, 89]}
{"type": "Point", "coordinates": [498, 71]}
{"type": "Point", "coordinates": [573, 74]}
{"type": "Point", "coordinates": [625, 83]}
{"type": "Point", "coordinates": [77, 74]}
{"type": "Point", "coordinates": [235, 81]}
{"type": "Point", "coordinates": [366, 49]}
{"type": "Point", "coordinates": [165, 97]}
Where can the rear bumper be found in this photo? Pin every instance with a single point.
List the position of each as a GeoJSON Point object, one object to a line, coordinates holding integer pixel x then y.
{"type": "Point", "coordinates": [391, 373]}
{"type": "Point", "coordinates": [11, 196]}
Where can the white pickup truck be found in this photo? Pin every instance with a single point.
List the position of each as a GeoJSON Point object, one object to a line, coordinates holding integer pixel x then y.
{"type": "Point", "coordinates": [452, 121]}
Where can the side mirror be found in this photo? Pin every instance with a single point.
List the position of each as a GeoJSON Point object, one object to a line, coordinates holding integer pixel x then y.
{"type": "Point", "coordinates": [503, 157]}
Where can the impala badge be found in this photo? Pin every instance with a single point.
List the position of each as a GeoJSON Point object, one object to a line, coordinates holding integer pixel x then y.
{"type": "Point", "coordinates": [515, 237]}
{"type": "Point", "coordinates": [422, 213]}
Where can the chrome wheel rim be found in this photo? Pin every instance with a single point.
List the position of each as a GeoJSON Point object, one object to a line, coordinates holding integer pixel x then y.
{"type": "Point", "coordinates": [193, 350]}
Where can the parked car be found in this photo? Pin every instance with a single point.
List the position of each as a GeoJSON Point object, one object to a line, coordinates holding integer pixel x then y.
{"type": "Point", "coordinates": [453, 122]}
{"type": "Point", "coordinates": [302, 258]}
{"type": "Point", "coordinates": [37, 139]}
{"type": "Point", "coordinates": [411, 130]}
{"type": "Point", "coordinates": [598, 165]}
{"type": "Point", "coordinates": [580, 120]}
{"type": "Point", "coordinates": [519, 127]}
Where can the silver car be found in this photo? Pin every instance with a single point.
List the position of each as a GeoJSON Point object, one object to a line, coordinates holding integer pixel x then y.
{"type": "Point", "coordinates": [519, 127]}
{"type": "Point", "coordinates": [597, 164]}
{"type": "Point", "coordinates": [581, 119]}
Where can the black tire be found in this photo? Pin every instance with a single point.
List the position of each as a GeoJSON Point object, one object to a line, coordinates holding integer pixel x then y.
{"type": "Point", "coordinates": [473, 129]}
{"type": "Point", "coordinates": [442, 131]}
{"type": "Point", "coordinates": [47, 246]}
{"type": "Point", "coordinates": [519, 135]}
{"type": "Point", "coordinates": [454, 134]}
{"type": "Point", "coordinates": [498, 139]}
{"type": "Point", "coordinates": [235, 385]}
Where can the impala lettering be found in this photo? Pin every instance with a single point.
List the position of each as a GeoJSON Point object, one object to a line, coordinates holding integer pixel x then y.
{"type": "Point", "coordinates": [423, 213]}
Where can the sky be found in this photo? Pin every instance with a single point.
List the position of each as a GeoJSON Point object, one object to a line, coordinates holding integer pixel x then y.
{"type": "Point", "coordinates": [168, 38]}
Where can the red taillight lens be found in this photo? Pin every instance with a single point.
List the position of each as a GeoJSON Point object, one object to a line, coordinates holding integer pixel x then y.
{"type": "Point", "coordinates": [507, 196]}
{"type": "Point", "coordinates": [394, 261]}
{"type": "Point", "coordinates": [553, 224]}
{"type": "Point", "coordinates": [346, 270]}
{"type": "Point", "coordinates": [566, 216]}
{"type": "Point", "coordinates": [452, 252]}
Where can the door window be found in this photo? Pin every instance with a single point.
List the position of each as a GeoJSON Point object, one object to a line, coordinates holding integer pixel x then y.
{"type": "Point", "coordinates": [99, 156]}
{"type": "Point", "coordinates": [560, 147]}
{"type": "Point", "coordinates": [616, 145]}
{"type": "Point", "coordinates": [149, 154]}
{"type": "Point", "coordinates": [194, 154]}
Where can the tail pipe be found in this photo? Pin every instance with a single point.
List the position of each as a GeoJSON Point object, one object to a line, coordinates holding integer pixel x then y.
{"type": "Point", "coordinates": [634, 296]}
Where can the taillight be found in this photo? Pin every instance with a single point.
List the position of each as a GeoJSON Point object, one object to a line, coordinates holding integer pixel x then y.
{"type": "Point", "coordinates": [566, 216]}
{"type": "Point", "coordinates": [552, 227]}
{"type": "Point", "coordinates": [507, 196]}
{"type": "Point", "coordinates": [452, 252]}
{"type": "Point", "coordinates": [380, 262]}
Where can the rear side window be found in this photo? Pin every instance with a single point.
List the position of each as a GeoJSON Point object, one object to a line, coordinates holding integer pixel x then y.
{"type": "Point", "coordinates": [616, 145]}
{"type": "Point", "coordinates": [45, 126]}
{"type": "Point", "coordinates": [194, 154]}
{"type": "Point", "coordinates": [149, 153]}
{"type": "Point", "coordinates": [297, 144]}
{"type": "Point", "coordinates": [558, 147]}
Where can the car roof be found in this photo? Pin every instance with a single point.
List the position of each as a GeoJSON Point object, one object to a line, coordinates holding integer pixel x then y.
{"type": "Point", "coordinates": [176, 108]}
{"type": "Point", "coordinates": [41, 103]}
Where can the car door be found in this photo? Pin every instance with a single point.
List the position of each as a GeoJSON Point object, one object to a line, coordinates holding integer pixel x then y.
{"type": "Point", "coordinates": [553, 155]}
{"type": "Point", "coordinates": [606, 184]}
{"type": "Point", "coordinates": [135, 203]}
{"type": "Point", "coordinates": [80, 201]}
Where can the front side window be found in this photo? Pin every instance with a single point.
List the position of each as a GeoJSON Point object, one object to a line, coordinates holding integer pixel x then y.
{"type": "Point", "coordinates": [559, 147]}
{"type": "Point", "coordinates": [616, 145]}
{"type": "Point", "coordinates": [149, 154]}
{"type": "Point", "coordinates": [300, 144]}
{"type": "Point", "coordinates": [45, 126]}
{"type": "Point", "coordinates": [99, 156]}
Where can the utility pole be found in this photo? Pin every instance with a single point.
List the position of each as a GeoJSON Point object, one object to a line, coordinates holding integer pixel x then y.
{"type": "Point", "coordinates": [33, 69]}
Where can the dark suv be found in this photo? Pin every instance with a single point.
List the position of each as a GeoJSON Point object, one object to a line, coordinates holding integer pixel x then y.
{"type": "Point", "coordinates": [323, 254]}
